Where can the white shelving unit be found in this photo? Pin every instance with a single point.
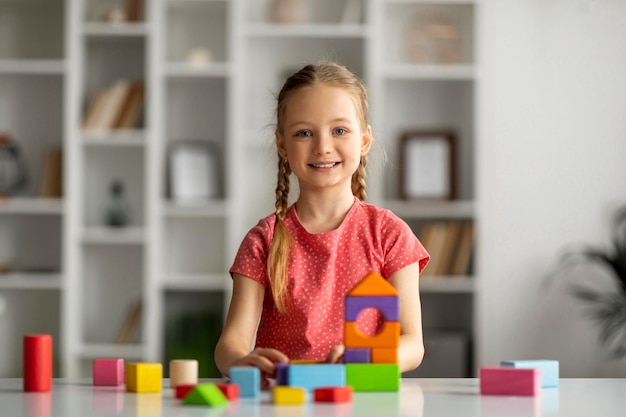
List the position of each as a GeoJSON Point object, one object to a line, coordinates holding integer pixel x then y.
{"type": "Point", "coordinates": [174, 256]}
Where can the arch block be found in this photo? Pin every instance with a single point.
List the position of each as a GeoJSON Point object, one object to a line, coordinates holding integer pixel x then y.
{"type": "Point", "coordinates": [388, 305]}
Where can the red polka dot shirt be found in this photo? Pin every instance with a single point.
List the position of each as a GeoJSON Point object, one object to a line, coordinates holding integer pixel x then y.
{"type": "Point", "coordinates": [322, 269]}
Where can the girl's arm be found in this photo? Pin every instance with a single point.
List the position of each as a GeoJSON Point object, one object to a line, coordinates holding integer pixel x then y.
{"type": "Point", "coordinates": [411, 349]}
{"type": "Point", "coordinates": [233, 347]}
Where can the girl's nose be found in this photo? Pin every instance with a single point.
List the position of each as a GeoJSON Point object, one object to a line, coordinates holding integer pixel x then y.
{"type": "Point", "coordinates": [323, 145]}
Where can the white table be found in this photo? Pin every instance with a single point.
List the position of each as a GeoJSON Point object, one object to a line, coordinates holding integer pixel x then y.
{"type": "Point", "coordinates": [417, 398]}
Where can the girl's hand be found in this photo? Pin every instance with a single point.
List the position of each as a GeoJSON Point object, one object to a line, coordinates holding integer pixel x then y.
{"type": "Point", "coordinates": [265, 360]}
{"type": "Point", "coordinates": [336, 354]}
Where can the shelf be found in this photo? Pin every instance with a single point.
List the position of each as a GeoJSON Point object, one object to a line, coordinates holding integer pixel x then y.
{"type": "Point", "coordinates": [33, 206]}
{"type": "Point", "coordinates": [432, 209]}
{"type": "Point", "coordinates": [122, 137]}
{"type": "Point", "coordinates": [30, 281]}
{"type": "Point", "coordinates": [310, 30]}
{"type": "Point", "coordinates": [447, 284]}
{"type": "Point", "coordinates": [110, 236]}
{"type": "Point", "coordinates": [215, 208]}
{"type": "Point", "coordinates": [209, 70]}
{"type": "Point", "coordinates": [32, 66]}
{"type": "Point", "coordinates": [432, 2]}
{"type": "Point", "coordinates": [112, 350]}
{"type": "Point", "coordinates": [101, 29]}
{"type": "Point", "coordinates": [194, 282]}
{"type": "Point", "coordinates": [430, 72]}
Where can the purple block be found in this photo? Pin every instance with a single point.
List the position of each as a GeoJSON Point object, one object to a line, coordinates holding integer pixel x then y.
{"type": "Point", "coordinates": [354, 355]}
{"type": "Point", "coordinates": [387, 304]}
{"type": "Point", "coordinates": [282, 374]}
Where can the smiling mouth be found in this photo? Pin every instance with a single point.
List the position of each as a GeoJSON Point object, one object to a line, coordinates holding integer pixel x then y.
{"type": "Point", "coordinates": [328, 165]}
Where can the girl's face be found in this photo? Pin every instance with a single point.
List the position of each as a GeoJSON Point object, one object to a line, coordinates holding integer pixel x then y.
{"type": "Point", "coordinates": [321, 137]}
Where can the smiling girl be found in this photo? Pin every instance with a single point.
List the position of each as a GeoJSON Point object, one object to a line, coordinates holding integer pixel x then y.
{"type": "Point", "coordinates": [293, 269]}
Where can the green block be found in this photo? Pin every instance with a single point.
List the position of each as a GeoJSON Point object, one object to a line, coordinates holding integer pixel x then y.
{"type": "Point", "coordinates": [206, 394]}
{"type": "Point", "coordinates": [373, 377]}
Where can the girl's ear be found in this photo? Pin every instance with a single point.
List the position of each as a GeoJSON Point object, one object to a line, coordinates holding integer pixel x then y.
{"type": "Point", "coordinates": [367, 141]}
{"type": "Point", "coordinates": [280, 145]}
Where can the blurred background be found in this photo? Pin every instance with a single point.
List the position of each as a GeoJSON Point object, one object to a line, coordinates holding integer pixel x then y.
{"type": "Point", "coordinates": [136, 150]}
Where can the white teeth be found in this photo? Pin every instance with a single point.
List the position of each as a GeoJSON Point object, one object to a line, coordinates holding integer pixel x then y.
{"type": "Point", "coordinates": [330, 165]}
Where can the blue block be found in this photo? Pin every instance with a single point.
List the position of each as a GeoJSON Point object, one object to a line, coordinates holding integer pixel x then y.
{"type": "Point", "coordinates": [549, 370]}
{"type": "Point", "coordinates": [249, 380]}
{"type": "Point", "coordinates": [314, 376]}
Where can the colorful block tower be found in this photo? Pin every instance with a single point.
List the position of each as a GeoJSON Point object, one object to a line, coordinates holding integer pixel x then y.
{"type": "Point", "coordinates": [372, 361]}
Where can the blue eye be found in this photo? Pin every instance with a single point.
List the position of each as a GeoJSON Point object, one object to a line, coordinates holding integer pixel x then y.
{"type": "Point", "coordinates": [303, 133]}
{"type": "Point", "coordinates": [340, 131]}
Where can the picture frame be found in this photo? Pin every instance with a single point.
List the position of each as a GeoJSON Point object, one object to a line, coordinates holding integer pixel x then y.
{"type": "Point", "coordinates": [428, 165]}
{"type": "Point", "coordinates": [193, 172]}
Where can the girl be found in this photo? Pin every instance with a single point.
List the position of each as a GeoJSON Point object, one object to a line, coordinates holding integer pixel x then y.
{"type": "Point", "coordinates": [295, 266]}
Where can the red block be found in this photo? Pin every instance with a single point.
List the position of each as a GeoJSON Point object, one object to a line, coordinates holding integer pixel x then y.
{"type": "Point", "coordinates": [37, 363]}
{"type": "Point", "coordinates": [108, 372]}
{"type": "Point", "coordinates": [183, 390]}
{"type": "Point", "coordinates": [230, 391]}
{"type": "Point", "coordinates": [510, 381]}
{"type": "Point", "coordinates": [333, 394]}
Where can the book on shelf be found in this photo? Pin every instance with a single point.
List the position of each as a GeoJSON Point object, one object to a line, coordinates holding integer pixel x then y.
{"type": "Point", "coordinates": [51, 185]}
{"type": "Point", "coordinates": [116, 107]}
{"type": "Point", "coordinates": [129, 326]}
{"type": "Point", "coordinates": [450, 245]}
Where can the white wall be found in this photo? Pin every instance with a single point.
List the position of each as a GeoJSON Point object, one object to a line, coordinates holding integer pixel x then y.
{"type": "Point", "coordinates": [552, 170]}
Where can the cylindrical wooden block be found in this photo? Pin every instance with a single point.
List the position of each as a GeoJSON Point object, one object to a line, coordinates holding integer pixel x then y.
{"type": "Point", "coordinates": [37, 363]}
{"type": "Point", "coordinates": [183, 372]}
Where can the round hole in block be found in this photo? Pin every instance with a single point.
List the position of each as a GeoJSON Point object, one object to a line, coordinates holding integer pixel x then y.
{"type": "Point", "coordinates": [370, 321]}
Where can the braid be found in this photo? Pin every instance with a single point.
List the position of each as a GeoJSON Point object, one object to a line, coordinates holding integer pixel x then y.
{"type": "Point", "coordinates": [281, 242]}
{"type": "Point", "coordinates": [358, 180]}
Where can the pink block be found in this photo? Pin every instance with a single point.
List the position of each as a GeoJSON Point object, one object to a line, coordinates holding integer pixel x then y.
{"type": "Point", "coordinates": [108, 372]}
{"type": "Point", "coordinates": [510, 381]}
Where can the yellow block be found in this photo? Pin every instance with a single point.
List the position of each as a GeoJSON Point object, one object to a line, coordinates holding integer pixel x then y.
{"type": "Point", "coordinates": [384, 355]}
{"type": "Point", "coordinates": [288, 395]}
{"type": "Point", "coordinates": [144, 377]}
{"type": "Point", "coordinates": [389, 336]}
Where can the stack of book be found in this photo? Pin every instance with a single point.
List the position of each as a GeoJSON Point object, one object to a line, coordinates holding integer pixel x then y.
{"type": "Point", "coordinates": [450, 245]}
{"type": "Point", "coordinates": [119, 106]}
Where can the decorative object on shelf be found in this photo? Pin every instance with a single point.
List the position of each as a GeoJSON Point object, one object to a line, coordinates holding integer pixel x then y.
{"type": "Point", "coordinates": [12, 168]}
{"type": "Point", "coordinates": [450, 245]}
{"type": "Point", "coordinates": [432, 38]}
{"type": "Point", "coordinates": [428, 165]}
{"type": "Point", "coordinates": [288, 11]}
{"type": "Point", "coordinates": [114, 15]}
{"type": "Point", "coordinates": [119, 106]}
{"type": "Point", "coordinates": [118, 211]}
{"type": "Point", "coordinates": [51, 185]}
{"type": "Point", "coordinates": [129, 326]}
{"type": "Point", "coordinates": [606, 306]}
{"type": "Point", "coordinates": [193, 171]}
{"type": "Point", "coordinates": [199, 57]}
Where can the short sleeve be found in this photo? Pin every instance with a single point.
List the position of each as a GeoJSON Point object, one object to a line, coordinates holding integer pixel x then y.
{"type": "Point", "coordinates": [400, 245]}
{"type": "Point", "coordinates": [251, 258]}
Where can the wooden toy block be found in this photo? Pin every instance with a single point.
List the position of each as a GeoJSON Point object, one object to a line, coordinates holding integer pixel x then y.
{"type": "Point", "coordinates": [385, 355]}
{"type": "Point", "coordinates": [356, 355]}
{"type": "Point", "coordinates": [144, 377]}
{"type": "Point", "coordinates": [305, 361]}
{"type": "Point", "coordinates": [183, 372]}
{"type": "Point", "coordinates": [549, 370]}
{"type": "Point", "coordinates": [373, 284]}
{"type": "Point", "coordinates": [281, 374]}
{"type": "Point", "coordinates": [388, 305]}
{"type": "Point", "coordinates": [333, 394]}
{"type": "Point", "coordinates": [206, 394]}
{"type": "Point", "coordinates": [510, 381]}
{"type": "Point", "coordinates": [108, 372]}
{"type": "Point", "coordinates": [182, 390]}
{"type": "Point", "coordinates": [288, 395]}
{"type": "Point", "coordinates": [37, 362]}
{"type": "Point", "coordinates": [388, 337]}
{"type": "Point", "coordinates": [310, 377]}
{"type": "Point", "coordinates": [230, 391]}
{"type": "Point", "coordinates": [249, 380]}
{"type": "Point", "coordinates": [373, 377]}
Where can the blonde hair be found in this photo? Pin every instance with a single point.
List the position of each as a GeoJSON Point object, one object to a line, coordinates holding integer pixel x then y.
{"type": "Point", "coordinates": [334, 75]}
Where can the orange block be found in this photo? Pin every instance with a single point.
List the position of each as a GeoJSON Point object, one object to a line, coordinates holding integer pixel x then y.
{"type": "Point", "coordinates": [384, 355]}
{"type": "Point", "coordinates": [373, 284]}
{"type": "Point", "coordinates": [388, 337]}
